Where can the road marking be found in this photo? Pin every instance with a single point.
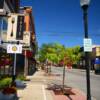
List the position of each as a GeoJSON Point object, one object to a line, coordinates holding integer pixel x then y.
{"type": "Point", "coordinates": [44, 93]}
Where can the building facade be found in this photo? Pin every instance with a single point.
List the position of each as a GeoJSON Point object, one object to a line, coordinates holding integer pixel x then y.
{"type": "Point", "coordinates": [20, 29]}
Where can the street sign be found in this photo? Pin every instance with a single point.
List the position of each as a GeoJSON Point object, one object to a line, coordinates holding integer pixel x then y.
{"type": "Point", "coordinates": [13, 48]}
{"type": "Point", "coordinates": [88, 45]}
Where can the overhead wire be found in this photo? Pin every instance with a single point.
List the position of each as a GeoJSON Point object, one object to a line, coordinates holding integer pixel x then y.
{"type": "Point", "coordinates": [53, 33]}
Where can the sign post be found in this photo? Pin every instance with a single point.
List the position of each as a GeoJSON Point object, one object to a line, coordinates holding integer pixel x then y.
{"type": "Point", "coordinates": [14, 49]}
{"type": "Point", "coordinates": [14, 71]}
{"type": "Point", "coordinates": [87, 49]}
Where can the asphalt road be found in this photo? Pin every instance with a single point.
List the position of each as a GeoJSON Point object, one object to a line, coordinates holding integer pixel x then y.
{"type": "Point", "coordinates": [77, 78]}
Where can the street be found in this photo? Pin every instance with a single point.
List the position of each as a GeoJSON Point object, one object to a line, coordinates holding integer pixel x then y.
{"type": "Point", "coordinates": [77, 78]}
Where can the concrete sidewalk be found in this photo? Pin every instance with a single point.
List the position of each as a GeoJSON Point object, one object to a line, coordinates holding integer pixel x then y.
{"type": "Point", "coordinates": [36, 89]}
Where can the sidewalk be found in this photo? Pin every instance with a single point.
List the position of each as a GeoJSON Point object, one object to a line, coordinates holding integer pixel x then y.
{"type": "Point", "coordinates": [37, 89]}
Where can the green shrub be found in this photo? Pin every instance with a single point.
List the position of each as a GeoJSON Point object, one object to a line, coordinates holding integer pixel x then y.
{"type": "Point", "coordinates": [5, 82]}
{"type": "Point", "coordinates": [21, 77]}
{"type": "Point", "coordinates": [4, 76]}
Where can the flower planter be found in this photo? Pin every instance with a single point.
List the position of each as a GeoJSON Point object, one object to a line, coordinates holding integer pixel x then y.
{"type": "Point", "coordinates": [8, 96]}
{"type": "Point", "coordinates": [8, 93]}
{"type": "Point", "coordinates": [9, 90]}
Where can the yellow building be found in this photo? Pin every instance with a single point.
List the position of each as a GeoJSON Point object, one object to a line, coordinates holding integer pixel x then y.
{"type": "Point", "coordinates": [96, 50]}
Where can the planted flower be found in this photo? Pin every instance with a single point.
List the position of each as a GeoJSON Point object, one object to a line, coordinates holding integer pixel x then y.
{"type": "Point", "coordinates": [9, 90]}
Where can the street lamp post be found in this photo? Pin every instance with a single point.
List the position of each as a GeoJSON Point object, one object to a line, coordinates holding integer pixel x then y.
{"type": "Point", "coordinates": [84, 4]}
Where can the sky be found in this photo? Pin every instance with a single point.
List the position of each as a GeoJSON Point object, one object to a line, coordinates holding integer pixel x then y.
{"type": "Point", "coordinates": [61, 21]}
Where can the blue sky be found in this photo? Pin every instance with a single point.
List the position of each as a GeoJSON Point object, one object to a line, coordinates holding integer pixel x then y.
{"type": "Point", "coordinates": [61, 21]}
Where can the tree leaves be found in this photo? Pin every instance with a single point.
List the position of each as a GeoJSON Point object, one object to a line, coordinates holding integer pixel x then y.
{"type": "Point", "coordinates": [56, 52]}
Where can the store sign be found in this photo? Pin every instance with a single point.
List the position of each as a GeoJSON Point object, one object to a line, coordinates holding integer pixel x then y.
{"type": "Point", "coordinates": [20, 27]}
{"type": "Point", "coordinates": [87, 45]}
{"type": "Point", "coordinates": [14, 48]}
{"type": "Point", "coordinates": [26, 38]}
{"type": "Point", "coordinates": [15, 27]}
{"type": "Point", "coordinates": [12, 28]}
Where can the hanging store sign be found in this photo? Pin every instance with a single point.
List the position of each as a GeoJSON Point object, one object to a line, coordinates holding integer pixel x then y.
{"type": "Point", "coordinates": [26, 38]}
{"type": "Point", "coordinates": [15, 27]}
{"type": "Point", "coordinates": [20, 27]}
{"type": "Point", "coordinates": [14, 48]}
{"type": "Point", "coordinates": [12, 28]}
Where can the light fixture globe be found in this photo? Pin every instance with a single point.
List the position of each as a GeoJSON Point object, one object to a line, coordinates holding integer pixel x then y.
{"type": "Point", "coordinates": [84, 2]}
